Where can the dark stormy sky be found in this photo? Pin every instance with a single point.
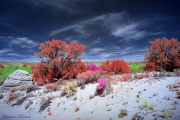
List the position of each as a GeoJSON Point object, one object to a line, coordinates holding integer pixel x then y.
{"type": "Point", "coordinates": [110, 29]}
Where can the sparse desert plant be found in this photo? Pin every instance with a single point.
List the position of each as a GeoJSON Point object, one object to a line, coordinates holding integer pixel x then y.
{"type": "Point", "coordinates": [109, 109]}
{"type": "Point", "coordinates": [164, 54]}
{"type": "Point", "coordinates": [145, 103]}
{"type": "Point", "coordinates": [126, 77]}
{"type": "Point", "coordinates": [1, 66]}
{"type": "Point", "coordinates": [142, 75]}
{"type": "Point", "coordinates": [122, 113]}
{"type": "Point", "coordinates": [1, 96]}
{"type": "Point", "coordinates": [44, 104]}
{"type": "Point", "coordinates": [117, 66]}
{"type": "Point", "coordinates": [89, 76]}
{"type": "Point", "coordinates": [76, 109]}
{"type": "Point", "coordinates": [11, 97]}
{"type": "Point", "coordinates": [164, 115]}
{"type": "Point", "coordinates": [25, 65]}
{"type": "Point", "coordinates": [51, 86]}
{"type": "Point", "coordinates": [69, 88]}
{"type": "Point", "coordinates": [23, 88]}
{"type": "Point", "coordinates": [152, 106]}
{"type": "Point", "coordinates": [146, 75]}
{"type": "Point", "coordinates": [178, 92]}
{"type": "Point", "coordinates": [62, 61]}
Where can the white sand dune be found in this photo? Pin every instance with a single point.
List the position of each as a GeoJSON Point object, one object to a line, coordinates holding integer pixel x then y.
{"type": "Point", "coordinates": [103, 108]}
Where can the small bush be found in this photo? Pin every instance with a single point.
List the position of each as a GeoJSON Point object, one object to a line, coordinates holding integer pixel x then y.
{"type": "Point", "coordinates": [69, 88]}
{"type": "Point", "coordinates": [126, 77]}
{"type": "Point", "coordinates": [142, 75]}
{"type": "Point", "coordinates": [51, 86]}
{"type": "Point", "coordinates": [89, 76]}
{"type": "Point", "coordinates": [134, 68]}
{"type": "Point", "coordinates": [93, 67]}
{"type": "Point", "coordinates": [164, 115]}
{"type": "Point", "coordinates": [150, 67]}
{"type": "Point", "coordinates": [25, 65]}
{"type": "Point", "coordinates": [117, 66]}
{"type": "Point", "coordinates": [145, 103]}
{"type": "Point", "coordinates": [122, 114]}
{"type": "Point", "coordinates": [11, 97]}
{"type": "Point", "coordinates": [1, 66]}
{"type": "Point", "coordinates": [1, 96]}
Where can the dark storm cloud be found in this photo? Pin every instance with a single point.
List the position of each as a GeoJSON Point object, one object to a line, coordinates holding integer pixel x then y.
{"type": "Point", "coordinates": [113, 29]}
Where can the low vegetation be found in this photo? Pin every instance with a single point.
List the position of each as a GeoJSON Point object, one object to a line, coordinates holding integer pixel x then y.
{"type": "Point", "coordinates": [7, 70]}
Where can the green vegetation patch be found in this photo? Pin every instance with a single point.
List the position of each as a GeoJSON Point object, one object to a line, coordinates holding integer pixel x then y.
{"type": "Point", "coordinates": [136, 68]}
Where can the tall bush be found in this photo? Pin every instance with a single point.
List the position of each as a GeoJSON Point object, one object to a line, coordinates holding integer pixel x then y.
{"type": "Point", "coordinates": [164, 54]}
{"type": "Point", "coordinates": [60, 60]}
{"type": "Point", "coordinates": [117, 66]}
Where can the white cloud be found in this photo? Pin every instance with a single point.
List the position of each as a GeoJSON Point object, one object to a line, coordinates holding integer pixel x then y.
{"type": "Point", "coordinates": [4, 51]}
{"type": "Point", "coordinates": [23, 42]}
{"type": "Point", "coordinates": [30, 58]}
{"type": "Point", "coordinates": [15, 54]}
{"type": "Point", "coordinates": [105, 20]}
{"type": "Point", "coordinates": [71, 6]}
{"type": "Point", "coordinates": [97, 41]}
{"type": "Point", "coordinates": [139, 57]}
{"type": "Point", "coordinates": [96, 50]}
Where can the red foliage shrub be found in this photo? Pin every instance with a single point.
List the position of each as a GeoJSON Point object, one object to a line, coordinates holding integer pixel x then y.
{"type": "Point", "coordinates": [164, 54]}
{"type": "Point", "coordinates": [126, 77]}
{"type": "Point", "coordinates": [51, 86]}
{"type": "Point", "coordinates": [146, 75]}
{"type": "Point", "coordinates": [169, 85]}
{"type": "Point", "coordinates": [89, 76]}
{"type": "Point", "coordinates": [62, 61]}
{"type": "Point", "coordinates": [11, 97]}
{"type": "Point", "coordinates": [141, 76]}
{"type": "Point", "coordinates": [150, 67]}
{"type": "Point", "coordinates": [178, 92]}
{"type": "Point", "coordinates": [49, 113]}
{"type": "Point", "coordinates": [116, 66]}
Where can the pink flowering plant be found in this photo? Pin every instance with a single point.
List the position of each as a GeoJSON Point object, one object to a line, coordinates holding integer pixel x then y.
{"type": "Point", "coordinates": [102, 83]}
{"type": "Point", "coordinates": [93, 67]}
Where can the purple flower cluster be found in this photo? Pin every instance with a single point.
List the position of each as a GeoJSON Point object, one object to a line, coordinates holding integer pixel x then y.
{"type": "Point", "coordinates": [101, 83]}
{"type": "Point", "coordinates": [93, 67]}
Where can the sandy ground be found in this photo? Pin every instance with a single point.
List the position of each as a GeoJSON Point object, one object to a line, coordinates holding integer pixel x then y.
{"type": "Point", "coordinates": [128, 97]}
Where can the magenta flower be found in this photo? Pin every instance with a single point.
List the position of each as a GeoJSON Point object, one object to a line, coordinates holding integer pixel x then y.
{"type": "Point", "coordinates": [93, 67]}
{"type": "Point", "coordinates": [102, 83]}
